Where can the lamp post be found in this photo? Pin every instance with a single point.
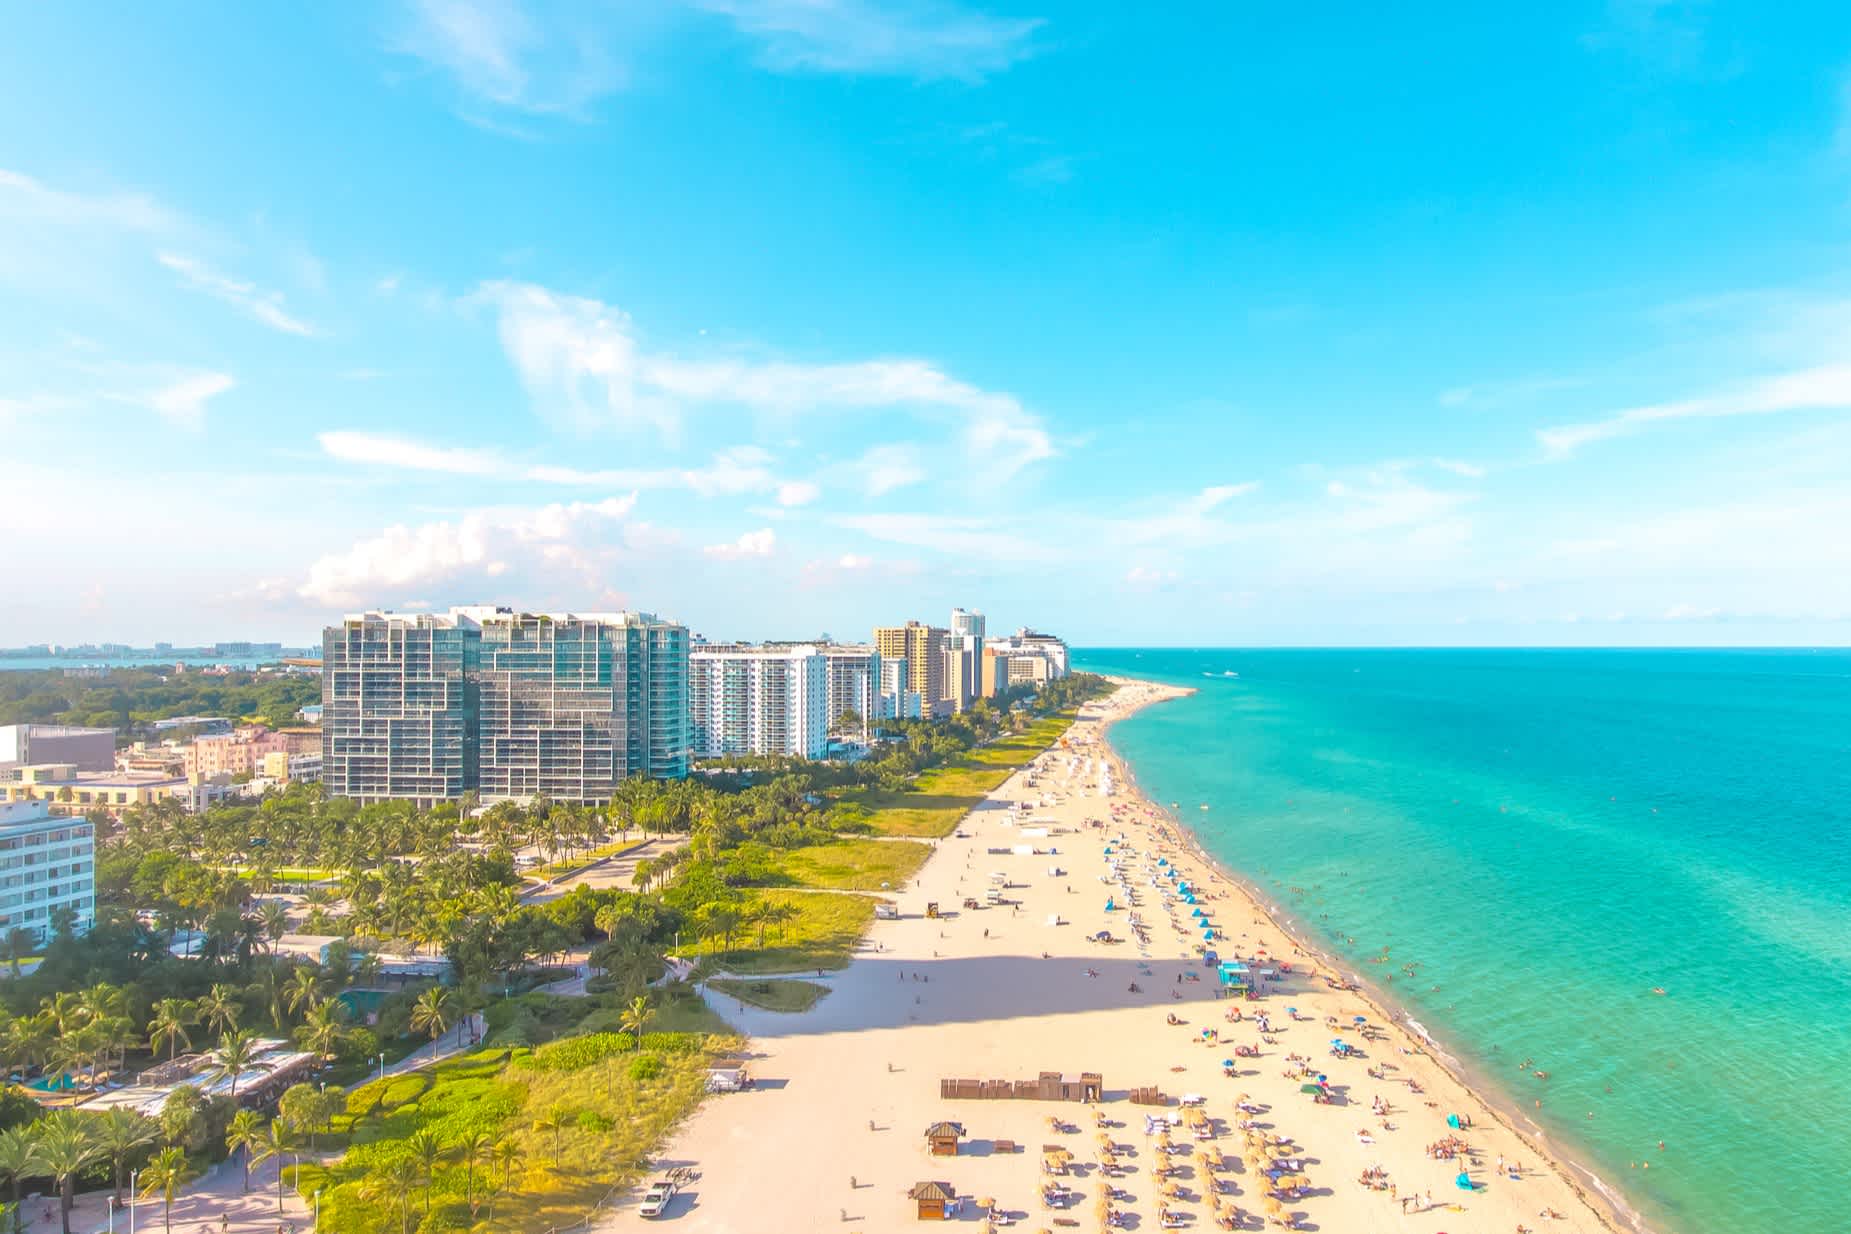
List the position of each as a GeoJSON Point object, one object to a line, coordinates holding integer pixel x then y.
{"type": "Point", "coordinates": [112, 1215]}
{"type": "Point", "coordinates": [382, 1064]}
{"type": "Point", "coordinates": [134, 1176]}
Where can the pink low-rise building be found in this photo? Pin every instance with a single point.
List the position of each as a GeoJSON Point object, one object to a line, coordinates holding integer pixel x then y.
{"type": "Point", "coordinates": [236, 753]}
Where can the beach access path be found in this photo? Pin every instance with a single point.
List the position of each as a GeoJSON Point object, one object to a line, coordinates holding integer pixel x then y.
{"type": "Point", "coordinates": [832, 1136]}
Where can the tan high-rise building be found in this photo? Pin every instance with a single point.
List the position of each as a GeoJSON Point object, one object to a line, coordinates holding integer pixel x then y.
{"type": "Point", "coordinates": [923, 649]}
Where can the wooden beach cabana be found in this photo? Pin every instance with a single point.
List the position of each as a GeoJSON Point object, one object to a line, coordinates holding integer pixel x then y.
{"type": "Point", "coordinates": [937, 1201]}
{"type": "Point", "coordinates": [942, 1139]}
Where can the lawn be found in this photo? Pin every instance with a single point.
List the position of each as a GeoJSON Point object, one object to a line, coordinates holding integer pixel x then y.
{"type": "Point", "coordinates": [940, 798]}
{"type": "Point", "coordinates": [771, 993]}
{"type": "Point", "coordinates": [581, 1115]}
{"type": "Point", "coordinates": [854, 865]}
{"type": "Point", "coordinates": [822, 935]}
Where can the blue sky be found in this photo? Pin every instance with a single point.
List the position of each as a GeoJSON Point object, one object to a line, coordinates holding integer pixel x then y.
{"type": "Point", "coordinates": [1432, 325]}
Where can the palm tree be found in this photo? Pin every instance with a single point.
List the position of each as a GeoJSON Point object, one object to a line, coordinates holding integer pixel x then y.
{"type": "Point", "coordinates": [635, 1017]}
{"type": "Point", "coordinates": [277, 1141]}
{"type": "Point", "coordinates": [303, 989]}
{"type": "Point", "coordinates": [275, 918]}
{"type": "Point", "coordinates": [19, 1158]}
{"type": "Point", "coordinates": [430, 1014]}
{"type": "Point", "coordinates": [164, 1174]}
{"type": "Point", "coordinates": [65, 1151]}
{"type": "Point", "coordinates": [394, 1183]}
{"type": "Point", "coordinates": [120, 1133]}
{"type": "Point", "coordinates": [219, 1009]}
{"type": "Point", "coordinates": [427, 1150]}
{"type": "Point", "coordinates": [245, 1131]}
{"type": "Point", "coordinates": [171, 1016]}
{"type": "Point", "coordinates": [19, 944]}
{"type": "Point", "coordinates": [235, 1057]}
{"type": "Point", "coordinates": [323, 1029]}
{"type": "Point", "coordinates": [473, 1147]}
{"type": "Point", "coordinates": [556, 1119]}
{"type": "Point", "coordinates": [507, 1154]}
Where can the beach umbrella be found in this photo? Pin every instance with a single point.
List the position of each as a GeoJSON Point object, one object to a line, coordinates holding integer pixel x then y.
{"type": "Point", "coordinates": [1311, 1088]}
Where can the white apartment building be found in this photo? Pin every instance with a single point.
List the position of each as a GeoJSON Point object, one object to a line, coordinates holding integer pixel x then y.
{"type": "Point", "coordinates": [745, 699]}
{"type": "Point", "coordinates": [46, 863]}
{"type": "Point", "coordinates": [897, 700]}
{"type": "Point", "coordinates": [854, 675]}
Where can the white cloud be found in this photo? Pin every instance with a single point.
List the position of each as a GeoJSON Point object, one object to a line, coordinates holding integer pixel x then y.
{"type": "Point", "coordinates": [885, 468]}
{"type": "Point", "coordinates": [265, 306]}
{"type": "Point", "coordinates": [1147, 576]}
{"type": "Point", "coordinates": [730, 473]}
{"type": "Point", "coordinates": [853, 561]}
{"type": "Point", "coordinates": [503, 54]}
{"type": "Point", "coordinates": [798, 493]}
{"type": "Point", "coordinates": [569, 540]}
{"type": "Point", "coordinates": [182, 402]}
{"type": "Point", "coordinates": [1492, 394]}
{"type": "Point", "coordinates": [1181, 522]}
{"type": "Point", "coordinates": [580, 360]}
{"type": "Point", "coordinates": [1813, 389]}
{"type": "Point", "coordinates": [758, 543]}
{"type": "Point", "coordinates": [22, 197]}
{"type": "Point", "coordinates": [1471, 471]}
{"type": "Point", "coordinates": [385, 450]}
{"type": "Point", "coordinates": [975, 539]}
{"type": "Point", "coordinates": [924, 39]}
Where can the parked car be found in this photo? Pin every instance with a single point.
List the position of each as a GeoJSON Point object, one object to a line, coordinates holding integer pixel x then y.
{"type": "Point", "coordinates": [655, 1200]}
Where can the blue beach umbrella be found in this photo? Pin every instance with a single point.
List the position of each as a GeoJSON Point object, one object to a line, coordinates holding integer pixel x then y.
{"type": "Point", "coordinates": [1464, 1182]}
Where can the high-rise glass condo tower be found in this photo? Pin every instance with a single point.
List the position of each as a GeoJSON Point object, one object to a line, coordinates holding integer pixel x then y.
{"type": "Point", "coordinates": [556, 704]}
{"type": "Point", "coordinates": [398, 706]}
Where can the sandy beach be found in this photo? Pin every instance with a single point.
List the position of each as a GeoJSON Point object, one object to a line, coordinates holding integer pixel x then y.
{"type": "Point", "coordinates": [833, 1135]}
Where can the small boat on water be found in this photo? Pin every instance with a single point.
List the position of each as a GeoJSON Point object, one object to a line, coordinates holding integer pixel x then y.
{"type": "Point", "coordinates": [1205, 805]}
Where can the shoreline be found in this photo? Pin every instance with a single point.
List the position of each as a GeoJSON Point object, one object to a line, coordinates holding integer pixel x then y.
{"type": "Point", "coordinates": [993, 970]}
{"type": "Point", "coordinates": [1620, 1216]}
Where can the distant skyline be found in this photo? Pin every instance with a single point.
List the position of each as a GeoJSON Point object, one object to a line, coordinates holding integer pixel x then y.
{"type": "Point", "coordinates": [1251, 328]}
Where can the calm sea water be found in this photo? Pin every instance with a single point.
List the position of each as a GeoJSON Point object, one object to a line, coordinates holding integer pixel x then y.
{"type": "Point", "coordinates": [1546, 836]}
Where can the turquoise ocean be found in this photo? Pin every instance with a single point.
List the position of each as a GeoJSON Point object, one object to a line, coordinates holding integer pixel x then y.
{"type": "Point", "coordinates": [1546, 837]}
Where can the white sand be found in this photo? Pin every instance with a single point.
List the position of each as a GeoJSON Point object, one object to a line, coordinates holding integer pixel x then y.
{"type": "Point", "coordinates": [781, 1157]}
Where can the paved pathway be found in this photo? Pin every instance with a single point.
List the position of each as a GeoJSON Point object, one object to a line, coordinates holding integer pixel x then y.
{"type": "Point", "coordinates": [216, 1202]}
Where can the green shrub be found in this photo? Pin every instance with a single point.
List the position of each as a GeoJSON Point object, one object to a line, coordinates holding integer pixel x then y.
{"type": "Point", "coordinates": [403, 1088]}
{"type": "Point", "coordinates": [675, 1043]}
{"type": "Point", "coordinates": [645, 1066]}
{"type": "Point", "coordinates": [577, 1053]}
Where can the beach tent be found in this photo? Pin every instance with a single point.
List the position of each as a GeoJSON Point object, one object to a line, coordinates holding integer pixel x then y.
{"type": "Point", "coordinates": [1464, 1182]}
{"type": "Point", "coordinates": [1108, 904]}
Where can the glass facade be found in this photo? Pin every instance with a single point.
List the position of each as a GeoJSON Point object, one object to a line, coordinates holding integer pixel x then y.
{"type": "Point", "coordinates": [513, 705]}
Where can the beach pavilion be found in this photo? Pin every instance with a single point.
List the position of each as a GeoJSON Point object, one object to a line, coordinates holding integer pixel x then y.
{"type": "Point", "coordinates": [942, 1139]}
{"type": "Point", "coordinates": [937, 1201]}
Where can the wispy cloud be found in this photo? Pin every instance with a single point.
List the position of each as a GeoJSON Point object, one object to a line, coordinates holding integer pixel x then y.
{"type": "Point", "coordinates": [23, 197]}
{"type": "Point", "coordinates": [1053, 169]}
{"type": "Point", "coordinates": [580, 359]}
{"type": "Point", "coordinates": [552, 60]}
{"type": "Point", "coordinates": [971, 538]}
{"type": "Point", "coordinates": [733, 472]}
{"type": "Point", "coordinates": [182, 402]}
{"type": "Point", "coordinates": [388, 450]}
{"type": "Point", "coordinates": [264, 306]}
{"type": "Point", "coordinates": [1485, 396]}
{"type": "Point", "coordinates": [925, 39]}
{"type": "Point", "coordinates": [1826, 387]}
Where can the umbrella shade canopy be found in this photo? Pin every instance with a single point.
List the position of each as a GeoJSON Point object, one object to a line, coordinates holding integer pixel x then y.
{"type": "Point", "coordinates": [1310, 1088]}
